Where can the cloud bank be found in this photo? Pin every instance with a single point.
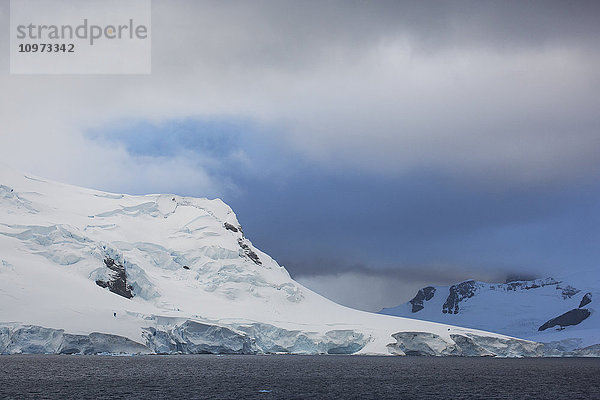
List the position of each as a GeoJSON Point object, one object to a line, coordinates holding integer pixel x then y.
{"type": "Point", "coordinates": [463, 133]}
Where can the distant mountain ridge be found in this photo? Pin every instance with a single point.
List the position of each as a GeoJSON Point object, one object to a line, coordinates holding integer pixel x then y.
{"type": "Point", "coordinates": [558, 311]}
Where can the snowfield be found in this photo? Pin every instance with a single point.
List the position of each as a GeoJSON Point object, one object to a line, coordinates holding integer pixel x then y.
{"type": "Point", "coordinates": [559, 312]}
{"type": "Point", "coordinates": [86, 272]}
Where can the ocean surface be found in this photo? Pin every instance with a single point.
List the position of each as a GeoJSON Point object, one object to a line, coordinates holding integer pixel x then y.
{"type": "Point", "coordinates": [295, 377]}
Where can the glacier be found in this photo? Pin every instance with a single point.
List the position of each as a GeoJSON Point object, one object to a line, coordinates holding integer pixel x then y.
{"type": "Point", "coordinates": [87, 272]}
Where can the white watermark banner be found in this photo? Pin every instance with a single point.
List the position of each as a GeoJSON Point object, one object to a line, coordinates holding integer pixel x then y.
{"type": "Point", "coordinates": [80, 37]}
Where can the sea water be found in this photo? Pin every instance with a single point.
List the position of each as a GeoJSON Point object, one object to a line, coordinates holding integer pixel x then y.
{"type": "Point", "coordinates": [295, 377]}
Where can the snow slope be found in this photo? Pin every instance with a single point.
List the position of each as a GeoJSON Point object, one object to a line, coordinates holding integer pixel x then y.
{"type": "Point", "coordinates": [524, 309]}
{"type": "Point", "coordinates": [84, 271]}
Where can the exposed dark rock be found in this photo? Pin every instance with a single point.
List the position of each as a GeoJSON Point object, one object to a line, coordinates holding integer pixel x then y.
{"type": "Point", "coordinates": [423, 295]}
{"type": "Point", "coordinates": [118, 279]}
{"type": "Point", "coordinates": [587, 299]}
{"type": "Point", "coordinates": [531, 284]}
{"type": "Point", "coordinates": [458, 293]}
{"type": "Point", "coordinates": [249, 253]}
{"type": "Point", "coordinates": [230, 227]}
{"type": "Point", "coordinates": [102, 283]}
{"type": "Point", "coordinates": [572, 317]}
{"type": "Point", "coordinates": [569, 291]}
{"type": "Point", "coordinates": [242, 242]}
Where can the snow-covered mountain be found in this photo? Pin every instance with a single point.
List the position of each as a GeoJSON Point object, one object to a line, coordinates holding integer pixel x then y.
{"type": "Point", "coordinates": [84, 271]}
{"type": "Point", "coordinates": [559, 311]}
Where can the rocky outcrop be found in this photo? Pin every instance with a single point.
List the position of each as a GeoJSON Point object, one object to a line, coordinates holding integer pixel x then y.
{"type": "Point", "coordinates": [572, 317]}
{"type": "Point", "coordinates": [458, 293]}
{"type": "Point", "coordinates": [247, 251]}
{"type": "Point", "coordinates": [529, 284]}
{"type": "Point", "coordinates": [422, 296]}
{"type": "Point", "coordinates": [568, 291]}
{"type": "Point", "coordinates": [118, 279]}
{"type": "Point", "coordinates": [587, 299]}
{"type": "Point", "coordinates": [231, 228]}
{"type": "Point", "coordinates": [242, 241]}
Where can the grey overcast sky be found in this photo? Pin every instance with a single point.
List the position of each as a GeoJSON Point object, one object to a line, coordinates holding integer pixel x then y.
{"type": "Point", "coordinates": [370, 147]}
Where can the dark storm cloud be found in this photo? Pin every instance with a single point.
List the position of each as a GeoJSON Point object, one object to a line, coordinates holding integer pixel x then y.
{"type": "Point", "coordinates": [420, 221]}
{"type": "Point", "coordinates": [323, 266]}
{"type": "Point", "coordinates": [504, 90]}
{"type": "Point", "coordinates": [354, 139]}
{"type": "Point", "coordinates": [297, 33]}
{"type": "Point", "coordinates": [372, 290]}
{"type": "Point", "coordinates": [422, 224]}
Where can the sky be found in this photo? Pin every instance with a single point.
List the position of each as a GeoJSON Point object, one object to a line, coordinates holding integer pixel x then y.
{"type": "Point", "coordinates": [372, 148]}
